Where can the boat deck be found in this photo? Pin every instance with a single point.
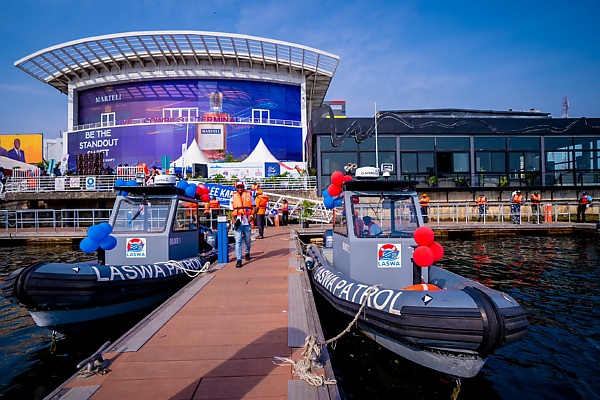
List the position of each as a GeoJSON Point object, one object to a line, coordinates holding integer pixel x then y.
{"type": "Point", "coordinates": [219, 336]}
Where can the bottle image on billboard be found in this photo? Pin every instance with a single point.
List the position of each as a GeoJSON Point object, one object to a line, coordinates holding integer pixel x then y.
{"type": "Point", "coordinates": [211, 132]}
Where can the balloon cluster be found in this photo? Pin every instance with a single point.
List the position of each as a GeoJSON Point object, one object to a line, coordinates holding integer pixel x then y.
{"type": "Point", "coordinates": [428, 251]}
{"type": "Point", "coordinates": [332, 195]}
{"type": "Point", "coordinates": [192, 190]}
{"type": "Point", "coordinates": [123, 182]}
{"type": "Point", "coordinates": [98, 236]}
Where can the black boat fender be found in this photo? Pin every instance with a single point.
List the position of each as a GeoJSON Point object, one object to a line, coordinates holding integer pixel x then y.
{"type": "Point", "coordinates": [493, 324]}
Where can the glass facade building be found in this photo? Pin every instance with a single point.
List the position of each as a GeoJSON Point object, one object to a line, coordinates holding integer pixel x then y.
{"type": "Point", "coordinates": [463, 149]}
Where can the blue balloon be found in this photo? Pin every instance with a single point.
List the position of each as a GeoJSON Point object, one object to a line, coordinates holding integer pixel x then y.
{"type": "Point", "coordinates": [190, 191]}
{"type": "Point", "coordinates": [337, 202]}
{"type": "Point", "coordinates": [120, 182]}
{"type": "Point", "coordinates": [88, 245]}
{"type": "Point", "coordinates": [326, 194]}
{"type": "Point", "coordinates": [96, 233]}
{"type": "Point", "coordinates": [108, 243]}
{"type": "Point", "coordinates": [107, 228]}
{"type": "Point", "coordinates": [328, 202]}
{"type": "Point", "coordinates": [274, 212]}
{"type": "Point", "coordinates": [182, 184]}
{"type": "Point", "coordinates": [131, 183]}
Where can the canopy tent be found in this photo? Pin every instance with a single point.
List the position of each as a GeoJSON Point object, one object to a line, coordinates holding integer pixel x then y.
{"type": "Point", "coordinates": [9, 164]}
{"type": "Point", "coordinates": [193, 156]}
{"type": "Point", "coordinates": [260, 155]}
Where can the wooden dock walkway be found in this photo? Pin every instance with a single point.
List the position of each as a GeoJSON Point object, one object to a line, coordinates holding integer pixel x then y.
{"type": "Point", "coordinates": [218, 337]}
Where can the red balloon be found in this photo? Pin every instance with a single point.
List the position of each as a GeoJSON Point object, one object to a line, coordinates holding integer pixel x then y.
{"type": "Point", "coordinates": [423, 256]}
{"type": "Point", "coordinates": [205, 190]}
{"type": "Point", "coordinates": [334, 190]}
{"type": "Point", "coordinates": [347, 178]}
{"type": "Point", "coordinates": [200, 188]}
{"type": "Point", "coordinates": [438, 251]}
{"type": "Point", "coordinates": [355, 200]}
{"type": "Point", "coordinates": [337, 178]}
{"type": "Point", "coordinates": [205, 198]}
{"type": "Point", "coordinates": [424, 236]}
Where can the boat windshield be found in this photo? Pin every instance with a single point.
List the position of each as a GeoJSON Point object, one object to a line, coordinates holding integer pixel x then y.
{"type": "Point", "coordinates": [147, 215]}
{"type": "Point", "coordinates": [384, 215]}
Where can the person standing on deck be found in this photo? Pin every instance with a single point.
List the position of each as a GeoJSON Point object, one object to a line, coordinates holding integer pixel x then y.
{"type": "Point", "coordinates": [584, 202]}
{"type": "Point", "coordinates": [424, 202]}
{"type": "Point", "coordinates": [482, 204]}
{"type": "Point", "coordinates": [262, 202]}
{"type": "Point", "coordinates": [536, 203]}
{"type": "Point", "coordinates": [285, 212]}
{"type": "Point", "coordinates": [515, 206]}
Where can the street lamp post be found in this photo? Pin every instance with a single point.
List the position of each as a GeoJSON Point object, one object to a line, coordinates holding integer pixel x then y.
{"type": "Point", "coordinates": [376, 141]}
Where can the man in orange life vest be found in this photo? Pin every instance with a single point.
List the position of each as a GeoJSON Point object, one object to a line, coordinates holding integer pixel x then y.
{"type": "Point", "coordinates": [515, 206]}
{"type": "Point", "coordinates": [584, 202]}
{"type": "Point", "coordinates": [214, 206]}
{"type": "Point", "coordinates": [424, 202]}
{"type": "Point", "coordinates": [262, 202]}
{"type": "Point", "coordinates": [483, 206]}
{"type": "Point", "coordinates": [536, 200]}
{"type": "Point", "coordinates": [242, 207]}
{"type": "Point", "coordinates": [285, 212]}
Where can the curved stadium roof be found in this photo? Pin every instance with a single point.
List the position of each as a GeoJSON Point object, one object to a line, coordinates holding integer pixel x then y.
{"type": "Point", "coordinates": [76, 60]}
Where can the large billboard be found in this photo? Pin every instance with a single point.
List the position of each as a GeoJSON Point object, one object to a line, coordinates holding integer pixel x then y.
{"type": "Point", "coordinates": [30, 147]}
{"type": "Point", "coordinates": [225, 118]}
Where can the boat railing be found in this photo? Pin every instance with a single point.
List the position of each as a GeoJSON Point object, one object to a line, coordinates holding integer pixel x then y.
{"type": "Point", "coordinates": [48, 220]}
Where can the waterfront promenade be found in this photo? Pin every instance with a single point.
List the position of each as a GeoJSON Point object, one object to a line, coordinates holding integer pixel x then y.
{"type": "Point", "coordinates": [219, 336]}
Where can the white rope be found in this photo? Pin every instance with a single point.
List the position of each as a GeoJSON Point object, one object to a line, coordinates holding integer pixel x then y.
{"type": "Point", "coordinates": [311, 352]}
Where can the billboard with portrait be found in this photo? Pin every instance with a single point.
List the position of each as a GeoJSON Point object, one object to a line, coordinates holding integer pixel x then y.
{"type": "Point", "coordinates": [143, 121]}
{"type": "Point", "coordinates": [30, 150]}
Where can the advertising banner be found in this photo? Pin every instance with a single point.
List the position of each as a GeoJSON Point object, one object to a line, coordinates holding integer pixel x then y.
{"type": "Point", "coordinates": [226, 119]}
{"type": "Point", "coordinates": [30, 147]}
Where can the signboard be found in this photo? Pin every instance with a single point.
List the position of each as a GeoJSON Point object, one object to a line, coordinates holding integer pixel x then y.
{"type": "Point", "coordinates": [90, 183]}
{"type": "Point", "coordinates": [31, 146]}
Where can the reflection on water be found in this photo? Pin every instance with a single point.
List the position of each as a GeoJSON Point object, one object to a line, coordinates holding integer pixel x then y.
{"type": "Point", "coordinates": [29, 370]}
{"type": "Point", "coordinates": [557, 279]}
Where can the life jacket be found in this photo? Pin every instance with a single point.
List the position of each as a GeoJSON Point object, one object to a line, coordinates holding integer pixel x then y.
{"type": "Point", "coordinates": [536, 198]}
{"type": "Point", "coordinates": [214, 204]}
{"type": "Point", "coordinates": [359, 226]}
{"type": "Point", "coordinates": [261, 203]}
{"type": "Point", "coordinates": [242, 205]}
{"type": "Point", "coordinates": [206, 208]}
{"type": "Point", "coordinates": [517, 199]}
{"type": "Point", "coordinates": [482, 200]}
{"type": "Point", "coordinates": [285, 207]}
{"type": "Point", "coordinates": [424, 201]}
{"type": "Point", "coordinates": [584, 199]}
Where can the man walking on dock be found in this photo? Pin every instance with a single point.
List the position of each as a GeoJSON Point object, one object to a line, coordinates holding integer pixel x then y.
{"type": "Point", "coordinates": [242, 207]}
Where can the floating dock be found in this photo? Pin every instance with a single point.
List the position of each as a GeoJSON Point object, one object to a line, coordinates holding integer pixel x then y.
{"type": "Point", "coordinates": [218, 338]}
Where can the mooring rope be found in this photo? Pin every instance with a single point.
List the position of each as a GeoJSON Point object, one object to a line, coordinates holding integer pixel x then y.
{"type": "Point", "coordinates": [311, 352]}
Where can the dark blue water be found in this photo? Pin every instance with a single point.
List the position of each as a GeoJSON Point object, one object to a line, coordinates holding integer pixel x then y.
{"type": "Point", "coordinates": [557, 279]}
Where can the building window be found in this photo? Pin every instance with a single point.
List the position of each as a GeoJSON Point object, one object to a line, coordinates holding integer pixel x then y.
{"type": "Point", "coordinates": [415, 163]}
{"type": "Point", "coordinates": [452, 143]}
{"type": "Point", "coordinates": [489, 143]}
{"type": "Point", "coordinates": [417, 143]}
{"type": "Point", "coordinates": [348, 144]}
{"type": "Point", "coordinates": [524, 143]}
{"type": "Point", "coordinates": [487, 161]}
{"type": "Point", "coordinates": [383, 143]}
{"type": "Point", "coordinates": [367, 158]}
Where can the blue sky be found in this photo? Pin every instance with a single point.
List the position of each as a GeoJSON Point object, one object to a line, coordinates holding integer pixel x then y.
{"type": "Point", "coordinates": [401, 54]}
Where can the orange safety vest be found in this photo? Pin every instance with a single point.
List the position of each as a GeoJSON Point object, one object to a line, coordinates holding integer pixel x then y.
{"type": "Point", "coordinates": [424, 202]}
{"type": "Point", "coordinates": [583, 199]}
{"type": "Point", "coordinates": [285, 207]}
{"type": "Point", "coordinates": [536, 198]}
{"type": "Point", "coordinates": [261, 203]}
{"type": "Point", "coordinates": [241, 204]}
{"type": "Point", "coordinates": [482, 200]}
{"type": "Point", "coordinates": [517, 199]}
{"type": "Point", "coordinates": [214, 204]}
{"type": "Point", "coordinates": [206, 208]}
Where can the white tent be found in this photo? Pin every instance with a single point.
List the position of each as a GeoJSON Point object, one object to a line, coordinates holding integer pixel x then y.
{"type": "Point", "coordinates": [8, 163]}
{"type": "Point", "coordinates": [193, 156]}
{"type": "Point", "coordinates": [260, 154]}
